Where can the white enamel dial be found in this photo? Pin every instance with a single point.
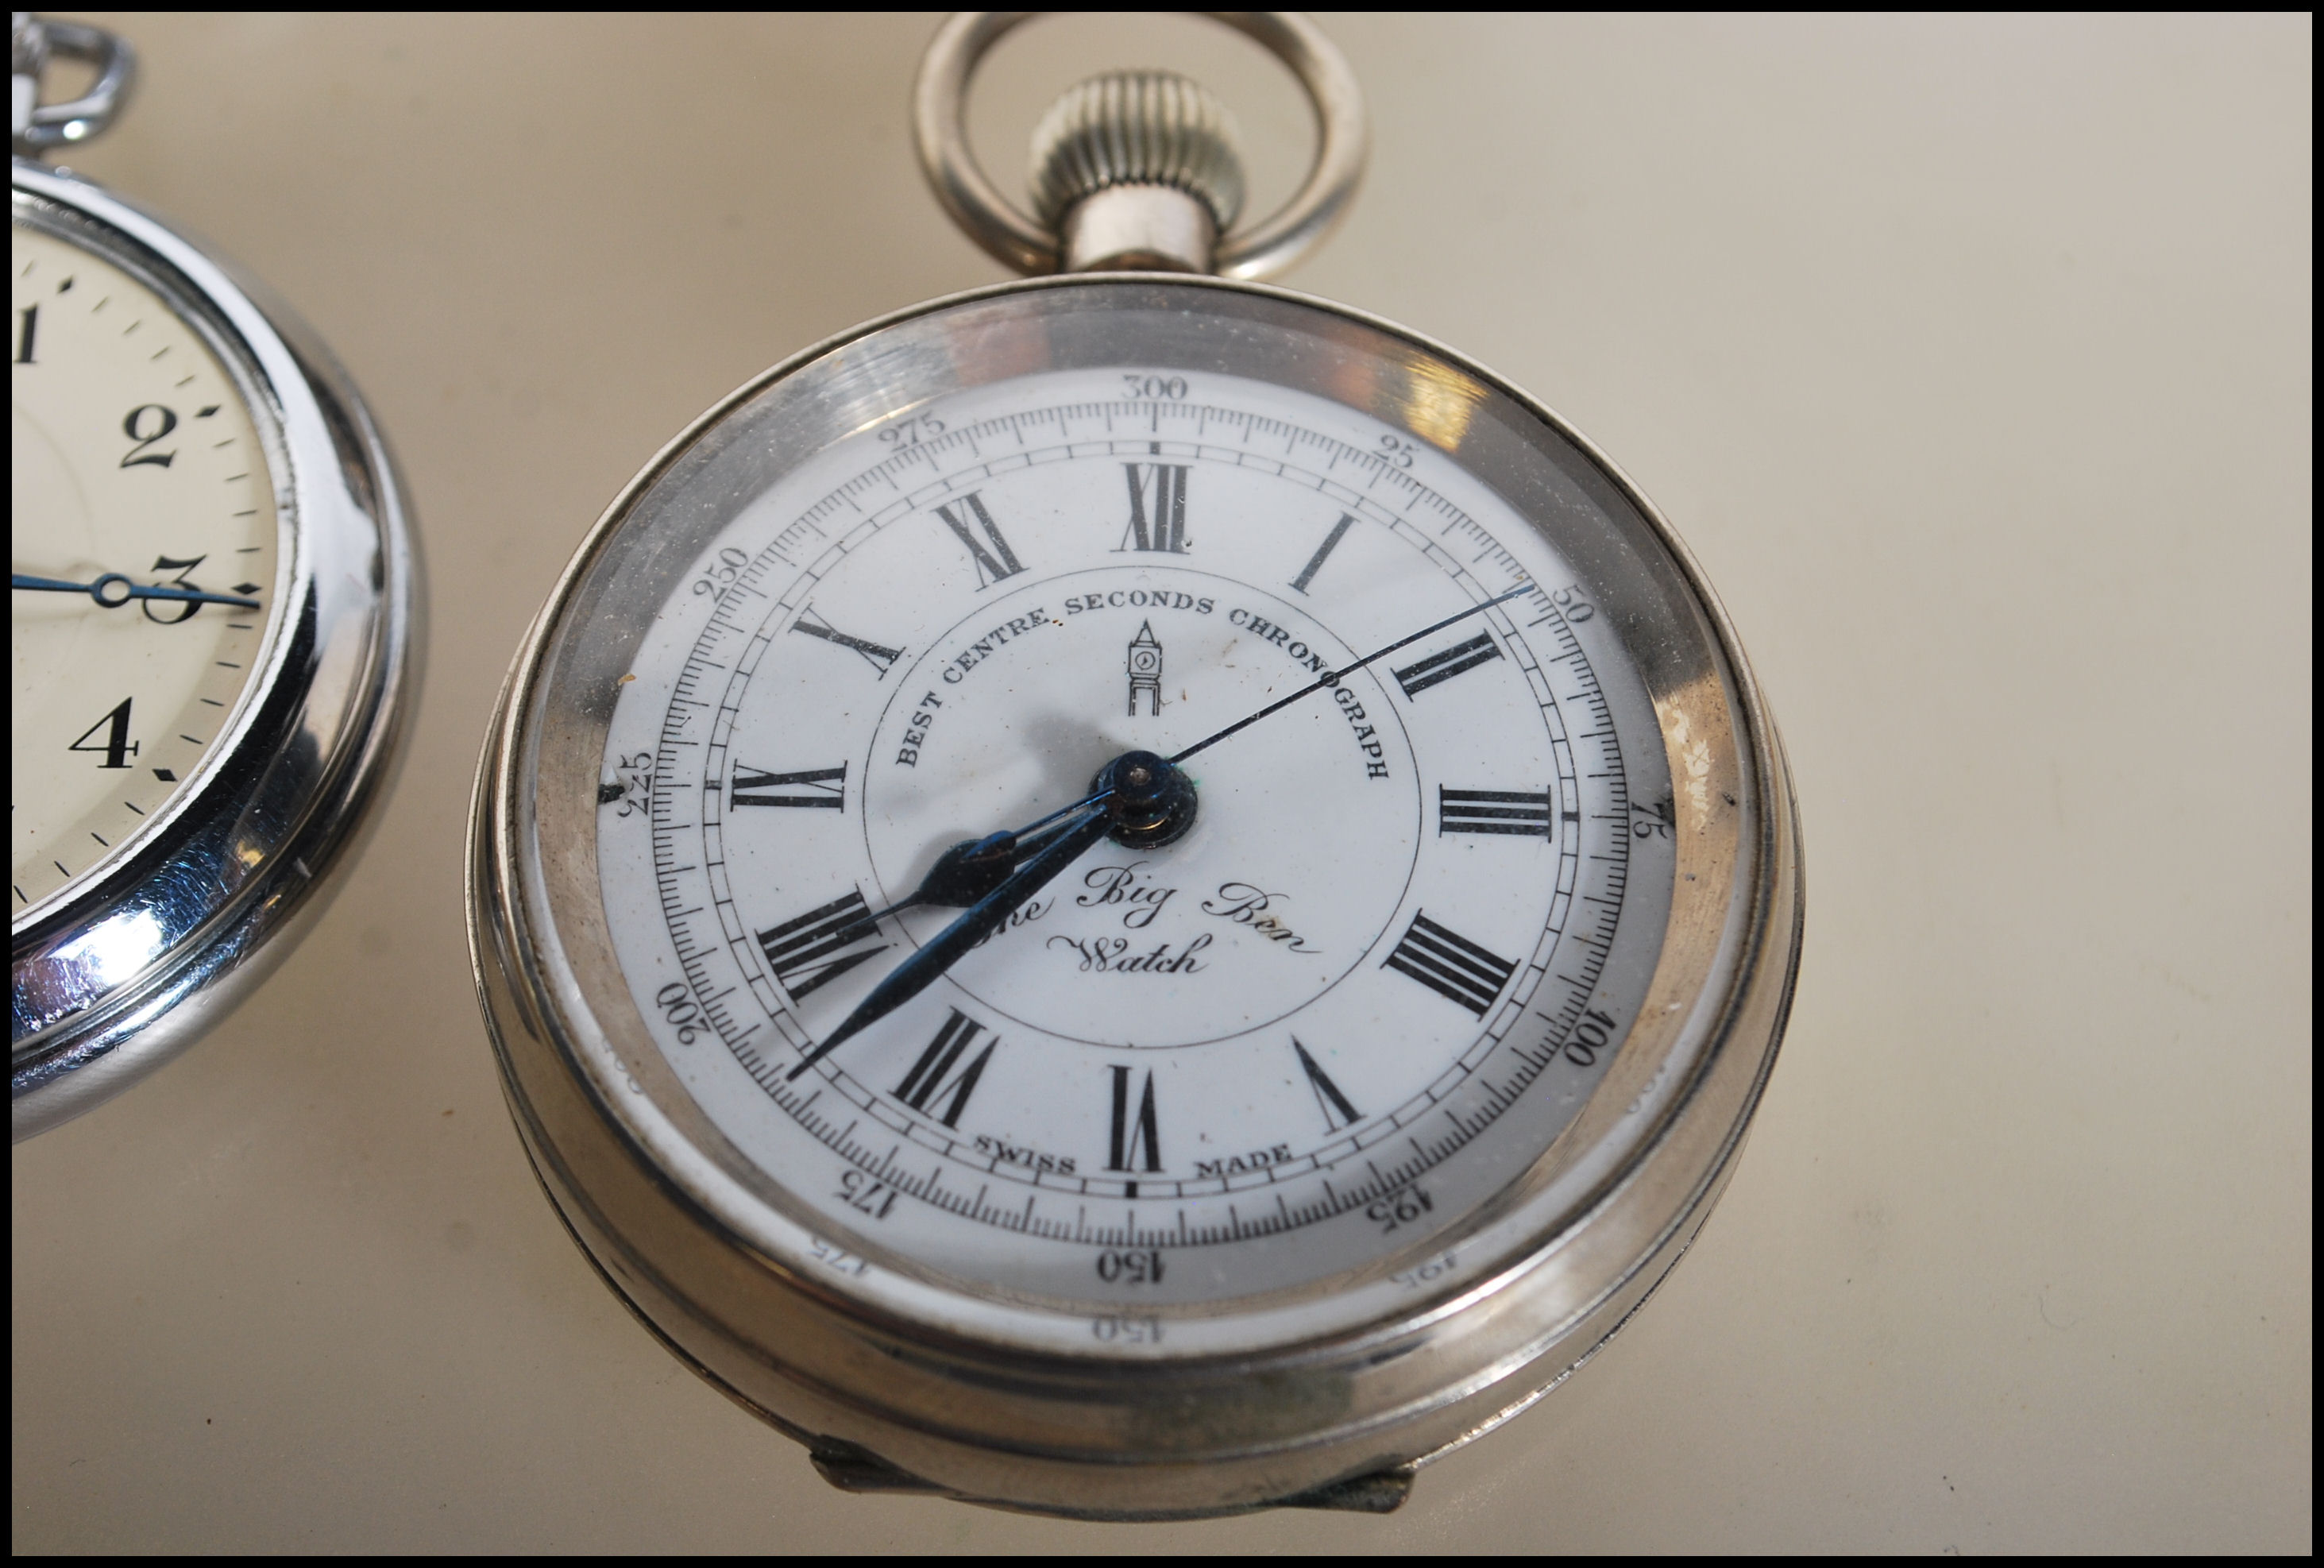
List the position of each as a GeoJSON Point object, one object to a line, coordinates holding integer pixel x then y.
{"type": "Point", "coordinates": [1415, 915]}
{"type": "Point", "coordinates": [135, 465]}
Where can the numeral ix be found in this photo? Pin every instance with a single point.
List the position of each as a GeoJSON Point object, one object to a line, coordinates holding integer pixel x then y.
{"type": "Point", "coordinates": [825, 787]}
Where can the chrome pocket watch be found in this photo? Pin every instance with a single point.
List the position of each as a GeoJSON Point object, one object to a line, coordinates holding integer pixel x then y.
{"type": "Point", "coordinates": [1131, 894]}
{"type": "Point", "coordinates": [211, 612]}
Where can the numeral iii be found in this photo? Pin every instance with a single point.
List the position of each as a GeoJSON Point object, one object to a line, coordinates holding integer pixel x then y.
{"type": "Point", "coordinates": [1493, 811]}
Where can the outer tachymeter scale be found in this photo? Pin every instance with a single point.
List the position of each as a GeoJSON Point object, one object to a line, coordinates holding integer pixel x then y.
{"type": "Point", "coordinates": [1416, 917]}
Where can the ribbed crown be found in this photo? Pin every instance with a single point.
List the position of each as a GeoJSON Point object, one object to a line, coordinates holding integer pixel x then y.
{"type": "Point", "coordinates": [1137, 127]}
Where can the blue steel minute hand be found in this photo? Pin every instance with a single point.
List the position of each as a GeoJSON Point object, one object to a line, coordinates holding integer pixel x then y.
{"type": "Point", "coordinates": [975, 872]}
{"type": "Point", "coordinates": [987, 915]}
{"type": "Point", "coordinates": [113, 590]}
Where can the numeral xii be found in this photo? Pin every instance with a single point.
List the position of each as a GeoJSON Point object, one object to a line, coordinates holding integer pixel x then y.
{"type": "Point", "coordinates": [1157, 508]}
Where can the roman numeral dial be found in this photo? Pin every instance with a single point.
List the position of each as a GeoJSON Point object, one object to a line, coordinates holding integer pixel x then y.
{"type": "Point", "coordinates": [1221, 1052]}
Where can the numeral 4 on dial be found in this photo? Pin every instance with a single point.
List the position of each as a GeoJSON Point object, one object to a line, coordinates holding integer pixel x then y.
{"type": "Point", "coordinates": [1450, 965]}
{"type": "Point", "coordinates": [117, 747]}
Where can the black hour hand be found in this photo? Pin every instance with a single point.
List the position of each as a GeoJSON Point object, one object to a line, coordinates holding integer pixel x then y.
{"type": "Point", "coordinates": [971, 869]}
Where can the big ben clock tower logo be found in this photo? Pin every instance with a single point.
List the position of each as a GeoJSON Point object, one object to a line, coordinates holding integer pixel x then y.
{"type": "Point", "coordinates": [1146, 669]}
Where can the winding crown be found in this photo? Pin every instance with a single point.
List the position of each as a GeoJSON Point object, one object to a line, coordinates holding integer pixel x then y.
{"type": "Point", "coordinates": [1137, 127]}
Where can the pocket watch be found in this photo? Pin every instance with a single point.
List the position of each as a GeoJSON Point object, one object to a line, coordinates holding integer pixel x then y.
{"type": "Point", "coordinates": [211, 612]}
{"type": "Point", "coordinates": [1131, 894]}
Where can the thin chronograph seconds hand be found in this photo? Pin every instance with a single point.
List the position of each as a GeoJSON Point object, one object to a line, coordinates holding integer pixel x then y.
{"type": "Point", "coordinates": [1141, 794]}
{"type": "Point", "coordinates": [1333, 677]}
{"type": "Point", "coordinates": [966, 872]}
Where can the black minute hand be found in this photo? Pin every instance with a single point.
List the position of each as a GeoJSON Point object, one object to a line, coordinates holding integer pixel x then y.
{"type": "Point", "coordinates": [987, 915]}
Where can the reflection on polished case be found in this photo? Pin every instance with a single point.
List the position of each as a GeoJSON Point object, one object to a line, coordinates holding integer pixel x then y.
{"type": "Point", "coordinates": [126, 965]}
{"type": "Point", "coordinates": [1326, 1394]}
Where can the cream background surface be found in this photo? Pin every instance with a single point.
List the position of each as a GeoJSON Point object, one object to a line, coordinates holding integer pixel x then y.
{"type": "Point", "coordinates": [1973, 358]}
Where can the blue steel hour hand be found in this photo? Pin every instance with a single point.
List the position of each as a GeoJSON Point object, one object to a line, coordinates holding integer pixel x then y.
{"type": "Point", "coordinates": [987, 915]}
{"type": "Point", "coordinates": [969, 871]}
{"type": "Point", "coordinates": [1139, 798]}
{"type": "Point", "coordinates": [113, 590]}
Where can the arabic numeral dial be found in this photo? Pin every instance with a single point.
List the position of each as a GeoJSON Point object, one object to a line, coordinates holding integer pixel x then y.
{"type": "Point", "coordinates": [145, 548]}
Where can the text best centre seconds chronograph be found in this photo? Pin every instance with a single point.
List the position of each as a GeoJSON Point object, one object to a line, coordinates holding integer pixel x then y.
{"type": "Point", "coordinates": [1234, 1062]}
